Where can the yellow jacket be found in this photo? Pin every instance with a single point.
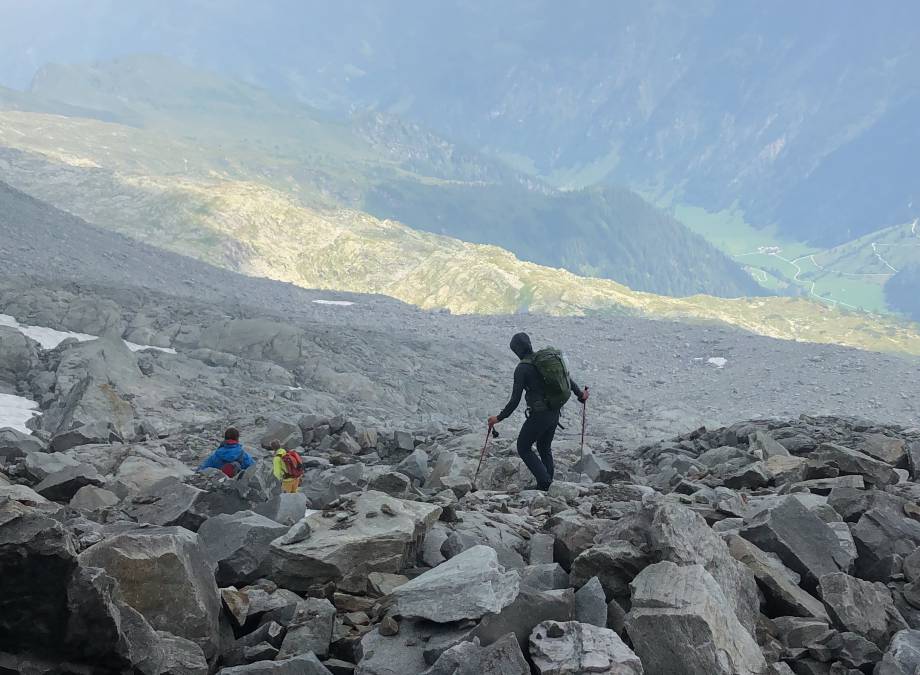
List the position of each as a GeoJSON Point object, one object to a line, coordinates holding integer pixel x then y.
{"type": "Point", "coordinates": [278, 465]}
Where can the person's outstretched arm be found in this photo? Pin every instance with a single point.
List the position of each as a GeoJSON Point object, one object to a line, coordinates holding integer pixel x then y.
{"type": "Point", "coordinates": [580, 393]}
{"type": "Point", "coordinates": [516, 392]}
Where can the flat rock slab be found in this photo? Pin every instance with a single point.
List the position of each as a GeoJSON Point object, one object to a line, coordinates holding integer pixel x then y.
{"type": "Point", "coordinates": [63, 484]}
{"type": "Point", "coordinates": [346, 551]}
{"type": "Point", "coordinates": [305, 664]}
{"type": "Point", "coordinates": [572, 647]}
{"type": "Point", "coordinates": [521, 616]}
{"type": "Point", "coordinates": [467, 586]}
{"type": "Point", "coordinates": [681, 623]}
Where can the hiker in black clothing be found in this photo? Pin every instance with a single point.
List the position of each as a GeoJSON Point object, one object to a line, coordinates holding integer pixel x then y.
{"type": "Point", "coordinates": [542, 415]}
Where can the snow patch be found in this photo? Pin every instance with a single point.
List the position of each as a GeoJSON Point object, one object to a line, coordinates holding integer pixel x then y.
{"type": "Point", "coordinates": [15, 411]}
{"type": "Point", "coordinates": [338, 303]}
{"type": "Point", "coordinates": [717, 361]}
{"type": "Point", "coordinates": [49, 338]}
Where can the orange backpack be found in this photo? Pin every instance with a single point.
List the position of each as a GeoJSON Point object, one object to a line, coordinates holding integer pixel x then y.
{"type": "Point", "coordinates": [293, 464]}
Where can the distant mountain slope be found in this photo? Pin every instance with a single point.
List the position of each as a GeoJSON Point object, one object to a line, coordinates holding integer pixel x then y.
{"type": "Point", "coordinates": [801, 114]}
{"type": "Point", "coordinates": [393, 169]}
{"type": "Point", "coordinates": [903, 291]}
{"type": "Point", "coordinates": [610, 232]}
{"type": "Point", "coordinates": [255, 229]}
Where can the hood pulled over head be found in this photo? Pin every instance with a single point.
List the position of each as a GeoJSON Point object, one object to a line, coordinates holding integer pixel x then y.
{"type": "Point", "coordinates": [521, 345]}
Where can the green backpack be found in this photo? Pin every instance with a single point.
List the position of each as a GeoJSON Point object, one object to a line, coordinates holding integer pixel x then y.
{"type": "Point", "coordinates": [551, 366]}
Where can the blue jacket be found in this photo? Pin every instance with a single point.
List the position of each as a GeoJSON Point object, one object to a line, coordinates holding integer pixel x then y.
{"type": "Point", "coordinates": [227, 452]}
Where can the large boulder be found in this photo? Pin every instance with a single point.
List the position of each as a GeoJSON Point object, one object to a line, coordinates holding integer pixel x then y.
{"type": "Point", "coordinates": [18, 354]}
{"type": "Point", "coordinates": [573, 534]}
{"type": "Point", "coordinates": [881, 535]}
{"type": "Point", "coordinates": [286, 508]}
{"type": "Point", "coordinates": [37, 558]}
{"type": "Point", "coordinates": [903, 655]}
{"type": "Point", "coordinates": [467, 586]}
{"type": "Point", "coordinates": [376, 534]}
{"type": "Point", "coordinates": [854, 462]}
{"type": "Point", "coordinates": [310, 630]}
{"type": "Point", "coordinates": [39, 465]}
{"type": "Point", "coordinates": [289, 435]}
{"type": "Point", "coordinates": [498, 531]}
{"type": "Point", "coordinates": [529, 608]}
{"type": "Point", "coordinates": [14, 443]}
{"type": "Point", "coordinates": [675, 533]}
{"type": "Point", "coordinates": [615, 564]}
{"type": "Point", "coordinates": [862, 607]}
{"type": "Point", "coordinates": [682, 622]}
{"type": "Point", "coordinates": [801, 539]}
{"type": "Point", "coordinates": [784, 595]}
{"type": "Point", "coordinates": [165, 575]}
{"type": "Point", "coordinates": [238, 544]}
{"type": "Point", "coordinates": [572, 647]}
{"type": "Point", "coordinates": [62, 485]}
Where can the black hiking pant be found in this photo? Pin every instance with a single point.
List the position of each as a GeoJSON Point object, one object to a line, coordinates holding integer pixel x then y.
{"type": "Point", "coordinates": [539, 428]}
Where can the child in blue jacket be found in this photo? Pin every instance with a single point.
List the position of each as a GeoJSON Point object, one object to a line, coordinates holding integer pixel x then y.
{"type": "Point", "coordinates": [229, 457]}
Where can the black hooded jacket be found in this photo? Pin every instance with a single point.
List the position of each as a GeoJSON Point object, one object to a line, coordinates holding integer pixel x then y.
{"type": "Point", "coordinates": [527, 379]}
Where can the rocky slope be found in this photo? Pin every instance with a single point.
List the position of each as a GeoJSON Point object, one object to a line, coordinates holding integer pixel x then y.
{"type": "Point", "coordinates": [118, 558]}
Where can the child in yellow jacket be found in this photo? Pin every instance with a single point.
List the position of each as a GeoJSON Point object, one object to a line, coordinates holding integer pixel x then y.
{"type": "Point", "coordinates": [288, 483]}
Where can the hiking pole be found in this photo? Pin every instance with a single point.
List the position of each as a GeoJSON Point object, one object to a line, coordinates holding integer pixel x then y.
{"type": "Point", "coordinates": [584, 421]}
{"type": "Point", "coordinates": [490, 433]}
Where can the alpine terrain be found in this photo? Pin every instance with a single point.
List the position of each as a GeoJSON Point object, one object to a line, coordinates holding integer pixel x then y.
{"type": "Point", "coordinates": [290, 327]}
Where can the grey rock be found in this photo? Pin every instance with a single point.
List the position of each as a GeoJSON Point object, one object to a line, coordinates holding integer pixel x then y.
{"type": "Point", "coordinates": [445, 464]}
{"type": "Point", "coordinates": [615, 564]}
{"type": "Point", "coordinates": [880, 534]}
{"type": "Point", "coordinates": [238, 545]}
{"type": "Point", "coordinates": [406, 651]}
{"type": "Point", "coordinates": [380, 584]}
{"type": "Point", "coordinates": [347, 551]}
{"type": "Point", "coordinates": [573, 534]}
{"type": "Point", "coordinates": [289, 435]}
{"type": "Point", "coordinates": [682, 622]}
{"type": "Point", "coordinates": [346, 444]}
{"type": "Point", "coordinates": [392, 483]}
{"type": "Point", "coordinates": [164, 574]}
{"type": "Point", "coordinates": [861, 607]}
{"type": "Point", "coordinates": [304, 664]}
{"type": "Point", "coordinates": [546, 577]}
{"type": "Point", "coordinates": [467, 586]}
{"type": "Point", "coordinates": [475, 528]}
{"type": "Point", "coordinates": [14, 443]}
{"type": "Point", "coordinates": [181, 656]}
{"type": "Point", "coordinates": [850, 649]}
{"type": "Point", "coordinates": [62, 485]}
{"type": "Point", "coordinates": [902, 656]}
{"type": "Point", "coordinates": [616, 617]}
{"type": "Point", "coordinates": [852, 503]}
{"type": "Point", "coordinates": [39, 465]}
{"type": "Point", "coordinates": [528, 609]}
{"type": "Point", "coordinates": [503, 657]}
{"type": "Point", "coordinates": [750, 477]}
{"type": "Point", "coordinates": [884, 448]}
{"type": "Point", "coordinates": [594, 467]}
{"type": "Point", "coordinates": [797, 632]}
{"type": "Point", "coordinates": [784, 594]}
{"type": "Point", "coordinates": [91, 498]}
{"type": "Point", "coordinates": [591, 604]}
{"type": "Point", "coordinates": [403, 441]}
{"type": "Point", "coordinates": [573, 647]}
{"type": "Point", "coordinates": [847, 544]}
{"type": "Point", "coordinates": [855, 462]}
{"type": "Point", "coordinates": [415, 466]}
{"type": "Point", "coordinates": [762, 444]}
{"type": "Point", "coordinates": [911, 566]}
{"type": "Point", "coordinates": [540, 550]}
{"type": "Point", "coordinates": [285, 508]}
{"type": "Point", "coordinates": [310, 630]}
{"type": "Point", "coordinates": [802, 540]}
